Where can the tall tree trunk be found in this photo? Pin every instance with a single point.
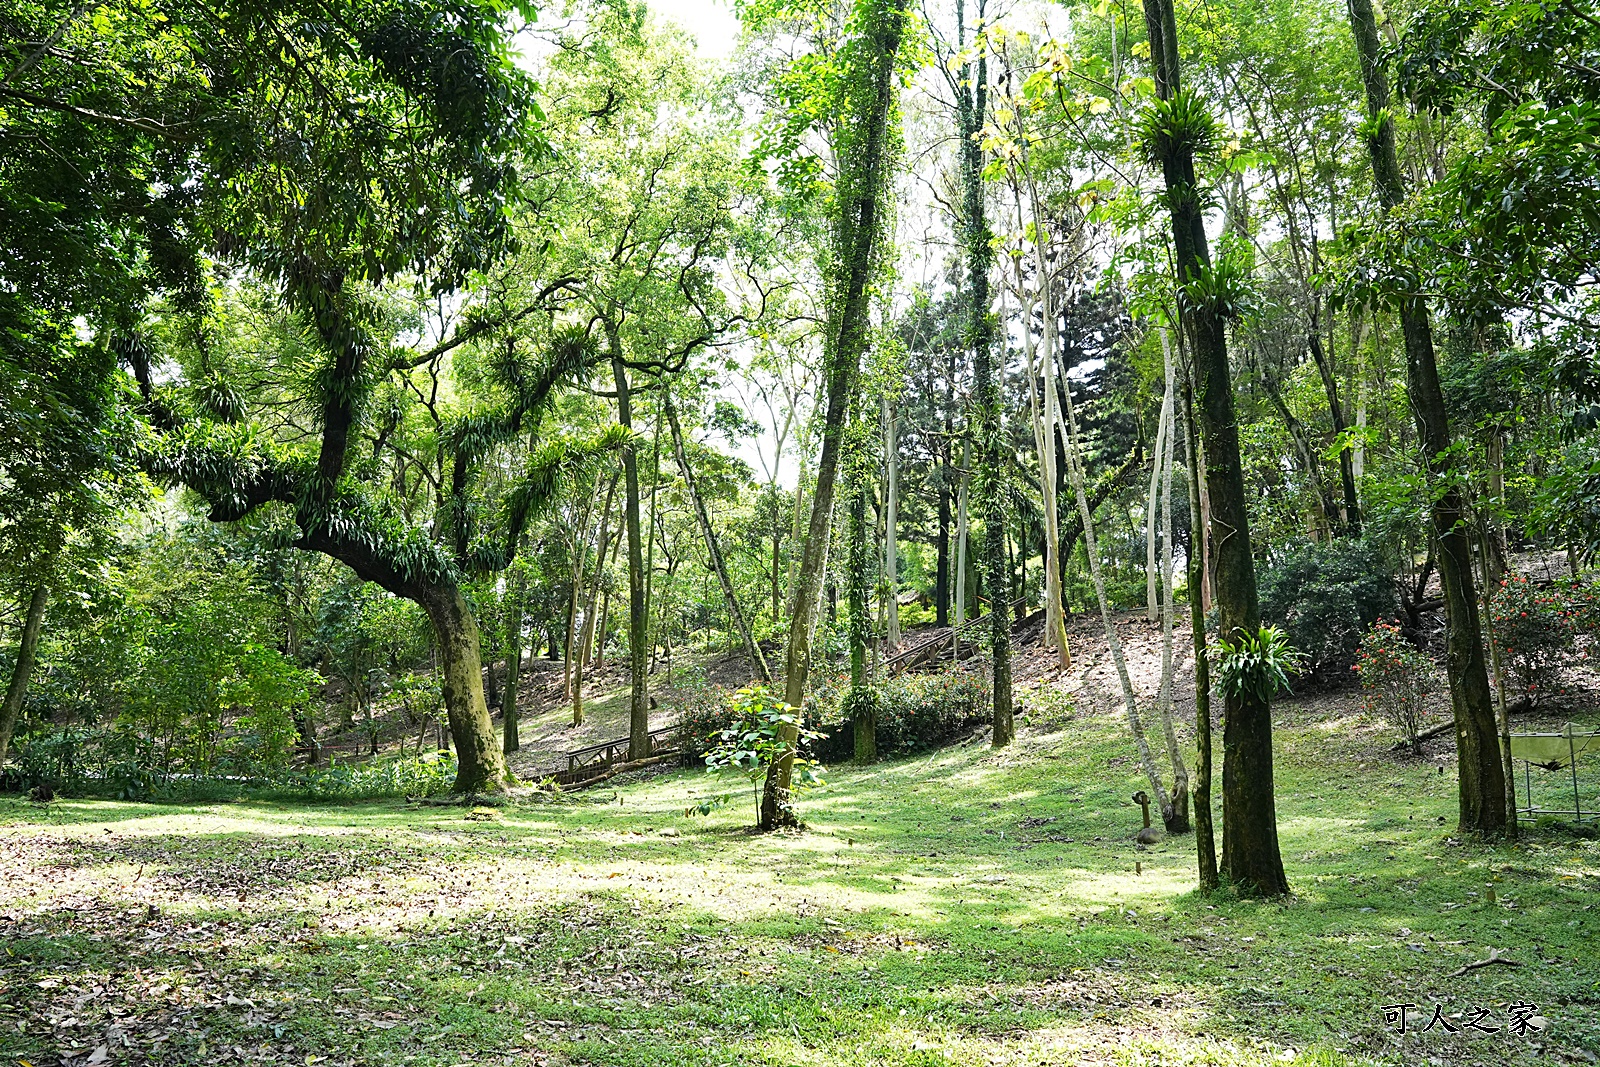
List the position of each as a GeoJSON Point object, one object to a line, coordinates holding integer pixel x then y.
{"type": "Point", "coordinates": [638, 619]}
{"type": "Point", "coordinates": [22, 670]}
{"type": "Point", "coordinates": [752, 650]}
{"type": "Point", "coordinates": [891, 502]}
{"type": "Point", "coordinates": [941, 580]}
{"type": "Point", "coordinates": [1307, 454]}
{"type": "Point", "coordinates": [1151, 525]}
{"type": "Point", "coordinates": [971, 113]}
{"type": "Point", "coordinates": [863, 706]}
{"type": "Point", "coordinates": [572, 646]}
{"type": "Point", "coordinates": [480, 765]}
{"type": "Point", "coordinates": [1250, 855]}
{"type": "Point", "coordinates": [1482, 787]}
{"type": "Point", "coordinates": [1044, 422]}
{"type": "Point", "coordinates": [863, 141]}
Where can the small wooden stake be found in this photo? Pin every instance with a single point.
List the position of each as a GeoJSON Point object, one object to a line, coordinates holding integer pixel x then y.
{"type": "Point", "coordinates": [1138, 868]}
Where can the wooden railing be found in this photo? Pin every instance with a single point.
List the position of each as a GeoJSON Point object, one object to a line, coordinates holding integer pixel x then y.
{"type": "Point", "coordinates": [587, 762]}
{"type": "Point", "coordinates": [929, 651]}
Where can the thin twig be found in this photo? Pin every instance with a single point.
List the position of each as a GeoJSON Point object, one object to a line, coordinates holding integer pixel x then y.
{"type": "Point", "coordinates": [1494, 957]}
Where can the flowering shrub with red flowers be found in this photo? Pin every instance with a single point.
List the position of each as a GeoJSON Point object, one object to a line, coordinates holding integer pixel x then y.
{"type": "Point", "coordinates": [1395, 680]}
{"type": "Point", "coordinates": [1535, 630]}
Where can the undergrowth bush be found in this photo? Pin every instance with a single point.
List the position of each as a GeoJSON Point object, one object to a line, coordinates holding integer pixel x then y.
{"type": "Point", "coordinates": [428, 775]}
{"type": "Point", "coordinates": [704, 711]}
{"type": "Point", "coordinates": [85, 761]}
{"type": "Point", "coordinates": [1542, 631]}
{"type": "Point", "coordinates": [1324, 597]}
{"type": "Point", "coordinates": [1395, 680]}
{"type": "Point", "coordinates": [915, 712]}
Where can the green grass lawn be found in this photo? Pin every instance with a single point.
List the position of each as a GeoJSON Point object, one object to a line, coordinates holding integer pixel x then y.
{"type": "Point", "coordinates": [960, 907]}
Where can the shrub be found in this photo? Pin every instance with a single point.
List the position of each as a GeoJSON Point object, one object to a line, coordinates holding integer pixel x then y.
{"type": "Point", "coordinates": [915, 712]}
{"type": "Point", "coordinates": [1324, 597]}
{"type": "Point", "coordinates": [431, 774]}
{"type": "Point", "coordinates": [703, 713]}
{"type": "Point", "coordinates": [1536, 633]}
{"type": "Point", "coordinates": [1395, 680]}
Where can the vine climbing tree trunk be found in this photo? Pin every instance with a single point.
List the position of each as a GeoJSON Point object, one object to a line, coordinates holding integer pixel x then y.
{"type": "Point", "coordinates": [1251, 858]}
{"type": "Point", "coordinates": [1482, 786]}
{"type": "Point", "coordinates": [863, 147]}
{"type": "Point", "coordinates": [977, 248]}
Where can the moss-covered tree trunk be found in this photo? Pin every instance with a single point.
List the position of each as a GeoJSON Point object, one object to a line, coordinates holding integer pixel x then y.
{"type": "Point", "coordinates": [1251, 858]}
{"type": "Point", "coordinates": [480, 765]}
{"type": "Point", "coordinates": [862, 139]}
{"type": "Point", "coordinates": [1482, 785]}
{"type": "Point", "coordinates": [971, 103]}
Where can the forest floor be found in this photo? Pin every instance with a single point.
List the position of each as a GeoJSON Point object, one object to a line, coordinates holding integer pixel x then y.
{"type": "Point", "coordinates": [958, 907]}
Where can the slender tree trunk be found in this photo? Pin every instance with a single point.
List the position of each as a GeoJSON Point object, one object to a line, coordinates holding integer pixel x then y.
{"type": "Point", "coordinates": [638, 619]}
{"type": "Point", "coordinates": [480, 765]}
{"type": "Point", "coordinates": [1484, 553]}
{"type": "Point", "coordinates": [585, 634]}
{"type": "Point", "coordinates": [571, 649]}
{"type": "Point", "coordinates": [1151, 532]}
{"type": "Point", "coordinates": [1347, 469]}
{"type": "Point", "coordinates": [752, 651]}
{"type": "Point", "coordinates": [1205, 837]}
{"type": "Point", "coordinates": [1055, 622]}
{"type": "Point", "coordinates": [1307, 454]}
{"type": "Point", "coordinates": [891, 501]}
{"type": "Point", "coordinates": [1482, 786]}
{"type": "Point", "coordinates": [1358, 454]}
{"type": "Point", "coordinates": [863, 706]}
{"type": "Point", "coordinates": [22, 670]}
{"type": "Point", "coordinates": [1180, 772]}
{"type": "Point", "coordinates": [962, 529]}
{"type": "Point", "coordinates": [941, 581]}
{"type": "Point", "coordinates": [1250, 855]}
{"type": "Point", "coordinates": [1130, 700]}
{"type": "Point", "coordinates": [510, 742]}
{"type": "Point", "coordinates": [858, 222]}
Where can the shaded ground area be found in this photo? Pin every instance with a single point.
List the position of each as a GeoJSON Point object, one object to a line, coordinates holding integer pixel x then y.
{"type": "Point", "coordinates": [961, 907]}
